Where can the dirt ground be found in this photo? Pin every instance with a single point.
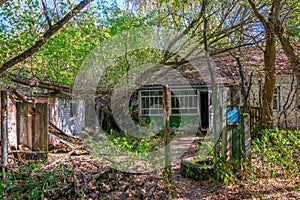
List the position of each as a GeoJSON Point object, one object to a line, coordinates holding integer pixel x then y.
{"type": "Point", "coordinates": [68, 176]}
{"type": "Point", "coordinates": [101, 182]}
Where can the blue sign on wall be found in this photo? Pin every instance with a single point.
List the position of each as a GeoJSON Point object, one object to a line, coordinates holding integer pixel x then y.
{"type": "Point", "coordinates": [232, 115]}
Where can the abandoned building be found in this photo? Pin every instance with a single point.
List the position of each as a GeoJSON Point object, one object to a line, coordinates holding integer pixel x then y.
{"type": "Point", "coordinates": [197, 99]}
{"type": "Point", "coordinates": [186, 103]}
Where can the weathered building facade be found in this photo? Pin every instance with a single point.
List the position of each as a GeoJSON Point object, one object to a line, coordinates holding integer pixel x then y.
{"type": "Point", "coordinates": [66, 114]}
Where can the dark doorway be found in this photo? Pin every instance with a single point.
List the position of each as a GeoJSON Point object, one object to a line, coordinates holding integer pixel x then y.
{"type": "Point", "coordinates": [204, 114]}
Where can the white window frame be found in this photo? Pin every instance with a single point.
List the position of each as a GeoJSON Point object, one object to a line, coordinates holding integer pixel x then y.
{"type": "Point", "coordinates": [276, 95]}
{"type": "Point", "coordinates": [188, 102]}
{"type": "Point", "coordinates": [185, 97]}
{"type": "Point", "coordinates": [297, 105]}
{"type": "Point", "coordinates": [156, 109]}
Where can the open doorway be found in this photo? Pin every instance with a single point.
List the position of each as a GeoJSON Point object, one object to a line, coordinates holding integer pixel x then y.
{"type": "Point", "coordinates": [204, 110]}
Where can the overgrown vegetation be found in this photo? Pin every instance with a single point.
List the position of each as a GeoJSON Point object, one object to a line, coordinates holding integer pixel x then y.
{"type": "Point", "coordinates": [133, 144]}
{"type": "Point", "coordinates": [276, 154]}
{"type": "Point", "coordinates": [28, 182]}
{"type": "Point", "coordinates": [39, 46]}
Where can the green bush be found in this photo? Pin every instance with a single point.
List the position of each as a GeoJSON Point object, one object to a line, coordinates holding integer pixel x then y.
{"type": "Point", "coordinates": [140, 145]}
{"type": "Point", "coordinates": [31, 183]}
{"type": "Point", "coordinates": [276, 153]}
{"type": "Point", "coordinates": [224, 170]}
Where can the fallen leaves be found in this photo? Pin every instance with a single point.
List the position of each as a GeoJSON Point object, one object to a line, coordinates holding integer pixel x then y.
{"type": "Point", "coordinates": [81, 176]}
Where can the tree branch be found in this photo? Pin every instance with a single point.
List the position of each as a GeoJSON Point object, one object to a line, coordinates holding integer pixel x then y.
{"type": "Point", "coordinates": [46, 13]}
{"type": "Point", "coordinates": [34, 83]}
{"type": "Point", "coordinates": [288, 49]}
{"type": "Point", "coordinates": [258, 15]}
{"type": "Point", "coordinates": [2, 2]}
{"type": "Point", "coordinates": [181, 35]}
{"type": "Point", "coordinates": [51, 31]}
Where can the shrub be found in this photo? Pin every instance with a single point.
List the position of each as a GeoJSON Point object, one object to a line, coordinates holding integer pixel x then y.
{"type": "Point", "coordinates": [276, 153]}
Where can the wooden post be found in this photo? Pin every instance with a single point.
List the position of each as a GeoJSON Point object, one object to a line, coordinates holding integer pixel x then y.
{"type": "Point", "coordinates": [234, 140]}
{"type": "Point", "coordinates": [29, 124]}
{"type": "Point", "coordinates": [167, 172]}
{"type": "Point", "coordinates": [235, 143]}
{"type": "Point", "coordinates": [229, 143]}
{"type": "Point", "coordinates": [242, 132]}
{"type": "Point", "coordinates": [4, 133]}
{"type": "Point", "coordinates": [40, 127]}
{"type": "Point", "coordinates": [235, 129]}
{"type": "Point", "coordinates": [247, 137]}
{"type": "Point", "coordinates": [224, 143]}
{"type": "Point", "coordinates": [21, 123]}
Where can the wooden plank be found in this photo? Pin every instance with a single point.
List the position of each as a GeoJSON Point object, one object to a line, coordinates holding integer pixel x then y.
{"type": "Point", "coordinates": [29, 124]}
{"type": "Point", "coordinates": [4, 133]}
{"type": "Point", "coordinates": [225, 102]}
{"type": "Point", "coordinates": [62, 140]}
{"type": "Point", "coordinates": [224, 143]}
{"type": "Point", "coordinates": [229, 143]}
{"type": "Point", "coordinates": [247, 137]}
{"type": "Point", "coordinates": [238, 143]}
{"type": "Point", "coordinates": [24, 123]}
{"type": "Point", "coordinates": [40, 127]}
{"type": "Point", "coordinates": [20, 96]}
{"type": "Point", "coordinates": [234, 142]}
{"type": "Point", "coordinates": [58, 129]}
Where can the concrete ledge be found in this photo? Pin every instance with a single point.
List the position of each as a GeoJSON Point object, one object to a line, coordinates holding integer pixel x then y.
{"type": "Point", "coordinates": [197, 168]}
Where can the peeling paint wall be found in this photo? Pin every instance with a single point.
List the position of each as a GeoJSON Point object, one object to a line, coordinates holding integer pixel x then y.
{"type": "Point", "coordinates": [12, 122]}
{"type": "Point", "coordinates": [65, 114]}
{"type": "Point", "coordinates": [70, 116]}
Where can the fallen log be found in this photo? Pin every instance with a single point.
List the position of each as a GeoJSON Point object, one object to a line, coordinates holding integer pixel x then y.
{"type": "Point", "coordinates": [62, 135]}
{"type": "Point", "coordinates": [58, 129]}
{"type": "Point", "coordinates": [63, 157]}
{"type": "Point", "coordinates": [62, 140]}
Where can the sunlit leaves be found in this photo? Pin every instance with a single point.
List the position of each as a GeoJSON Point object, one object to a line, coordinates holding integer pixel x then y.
{"type": "Point", "coordinates": [21, 23]}
{"type": "Point", "coordinates": [62, 56]}
{"type": "Point", "coordinates": [24, 22]}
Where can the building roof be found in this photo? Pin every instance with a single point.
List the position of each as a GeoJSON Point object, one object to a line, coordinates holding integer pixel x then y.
{"type": "Point", "coordinates": [227, 70]}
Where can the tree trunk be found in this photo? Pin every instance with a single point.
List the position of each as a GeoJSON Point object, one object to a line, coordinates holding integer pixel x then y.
{"type": "Point", "coordinates": [4, 134]}
{"type": "Point", "coordinates": [269, 60]}
{"type": "Point", "coordinates": [268, 88]}
{"type": "Point", "coordinates": [2, 1]}
{"type": "Point", "coordinates": [288, 50]}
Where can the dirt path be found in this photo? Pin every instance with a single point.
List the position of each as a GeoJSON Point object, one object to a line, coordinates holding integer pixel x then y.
{"type": "Point", "coordinates": [86, 177]}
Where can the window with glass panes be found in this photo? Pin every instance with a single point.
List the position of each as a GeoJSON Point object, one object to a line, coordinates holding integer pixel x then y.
{"type": "Point", "coordinates": [297, 98]}
{"type": "Point", "coordinates": [151, 102]}
{"type": "Point", "coordinates": [182, 102]}
{"type": "Point", "coordinates": [276, 98]}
